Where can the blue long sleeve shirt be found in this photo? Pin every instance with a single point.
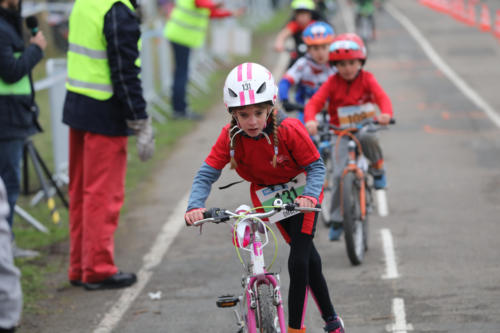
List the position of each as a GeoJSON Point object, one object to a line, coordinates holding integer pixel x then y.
{"type": "Point", "coordinates": [207, 175]}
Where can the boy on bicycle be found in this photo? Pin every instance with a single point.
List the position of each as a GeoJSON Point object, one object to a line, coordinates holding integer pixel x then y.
{"type": "Point", "coordinates": [266, 148]}
{"type": "Point", "coordinates": [311, 70]}
{"type": "Point", "coordinates": [352, 93]}
{"type": "Point", "coordinates": [304, 13]}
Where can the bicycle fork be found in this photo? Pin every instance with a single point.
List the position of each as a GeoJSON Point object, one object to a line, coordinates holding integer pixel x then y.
{"type": "Point", "coordinates": [253, 283]}
{"type": "Point", "coordinates": [352, 166]}
{"type": "Point", "coordinates": [260, 276]}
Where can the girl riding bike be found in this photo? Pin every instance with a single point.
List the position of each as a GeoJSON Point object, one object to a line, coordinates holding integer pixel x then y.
{"type": "Point", "coordinates": [352, 93]}
{"type": "Point", "coordinates": [311, 70]}
{"type": "Point", "coordinates": [266, 148]}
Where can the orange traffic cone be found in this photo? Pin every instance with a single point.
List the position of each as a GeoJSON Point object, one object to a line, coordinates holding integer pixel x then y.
{"type": "Point", "coordinates": [443, 6]}
{"type": "Point", "coordinates": [497, 25]}
{"type": "Point", "coordinates": [485, 24]}
{"type": "Point", "coordinates": [470, 18]}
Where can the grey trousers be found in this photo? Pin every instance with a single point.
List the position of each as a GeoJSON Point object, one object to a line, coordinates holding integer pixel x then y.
{"type": "Point", "coordinates": [11, 299]}
{"type": "Point", "coordinates": [372, 151]}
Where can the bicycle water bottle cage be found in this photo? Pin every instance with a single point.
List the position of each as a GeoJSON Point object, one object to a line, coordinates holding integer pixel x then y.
{"type": "Point", "coordinates": [227, 301]}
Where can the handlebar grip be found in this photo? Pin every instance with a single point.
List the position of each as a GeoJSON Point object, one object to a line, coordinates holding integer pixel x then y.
{"type": "Point", "coordinates": [391, 122]}
{"type": "Point", "coordinates": [216, 213]}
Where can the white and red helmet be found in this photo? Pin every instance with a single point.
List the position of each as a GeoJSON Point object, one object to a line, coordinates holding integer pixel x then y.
{"type": "Point", "coordinates": [249, 83]}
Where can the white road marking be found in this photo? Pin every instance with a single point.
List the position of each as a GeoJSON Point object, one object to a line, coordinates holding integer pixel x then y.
{"type": "Point", "coordinates": [443, 66]}
{"type": "Point", "coordinates": [398, 310]}
{"type": "Point", "coordinates": [382, 206]}
{"type": "Point", "coordinates": [391, 268]}
{"type": "Point", "coordinates": [347, 16]}
{"type": "Point", "coordinates": [152, 259]}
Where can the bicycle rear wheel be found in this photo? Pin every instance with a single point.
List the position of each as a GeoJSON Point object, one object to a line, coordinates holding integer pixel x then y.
{"type": "Point", "coordinates": [266, 316]}
{"type": "Point", "coordinates": [354, 227]}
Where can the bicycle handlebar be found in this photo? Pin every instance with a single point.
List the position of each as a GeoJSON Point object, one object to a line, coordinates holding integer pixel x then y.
{"type": "Point", "coordinates": [219, 215]}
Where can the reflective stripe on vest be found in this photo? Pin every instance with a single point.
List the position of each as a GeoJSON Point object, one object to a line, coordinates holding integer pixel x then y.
{"type": "Point", "coordinates": [187, 24]}
{"type": "Point", "coordinates": [89, 73]}
{"type": "Point", "coordinates": [21, 87]}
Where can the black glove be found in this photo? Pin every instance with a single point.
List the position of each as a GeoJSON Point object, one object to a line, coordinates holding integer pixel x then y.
{"type": "Point", "coordinates": [289, 107]}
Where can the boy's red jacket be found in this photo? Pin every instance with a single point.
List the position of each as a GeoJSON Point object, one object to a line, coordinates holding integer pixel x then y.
{"type": "Point", "coordinates": [363, 89]}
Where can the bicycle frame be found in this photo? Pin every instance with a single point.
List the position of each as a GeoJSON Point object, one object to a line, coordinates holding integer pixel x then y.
{"type": "Point", "coordinates": [352, 166]}
{"type": "Point", "coordinates": [256, 272]}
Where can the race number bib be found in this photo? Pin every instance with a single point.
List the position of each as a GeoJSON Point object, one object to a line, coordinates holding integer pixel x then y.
{"type": "Point", "coordinates": [286, 192]}
{"type": "Point", "coordinates": [350, 115]}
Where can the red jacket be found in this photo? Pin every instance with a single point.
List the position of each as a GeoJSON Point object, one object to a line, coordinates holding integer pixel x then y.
{"type": "Point", "coordinates": [363, 89]}
{"type": "Point", "coordinates": [254, 156]}
{"type": "Point", "coordinates": [215, 12]}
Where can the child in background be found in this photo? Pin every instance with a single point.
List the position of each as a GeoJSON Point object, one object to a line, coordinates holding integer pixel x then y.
{"type": "Point", "coordinates": [267, 148]}
{"type": "Point", "coordinates": [304, 14]}
{"type": "Point", "coordinates": [311, 70]}
{"type": "Point", "coordinates": [349, 89]}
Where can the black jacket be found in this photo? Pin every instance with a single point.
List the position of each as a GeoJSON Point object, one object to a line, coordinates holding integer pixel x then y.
{"type": "Point", "coordinates": [122, 32]}
{"type": "Point", "coordinates": [18, 113]}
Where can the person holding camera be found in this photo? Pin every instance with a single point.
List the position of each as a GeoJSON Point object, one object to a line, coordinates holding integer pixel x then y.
{"type": "Point", "coordinates": [18, 111]}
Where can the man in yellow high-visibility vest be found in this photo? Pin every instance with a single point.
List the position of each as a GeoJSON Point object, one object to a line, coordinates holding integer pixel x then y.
{"type": "Point", "coordinates": [18, 110]}
{"type": "Point", "coordinates": [186, 29]}
{"type": "Point", "coordinates": [104, 104]}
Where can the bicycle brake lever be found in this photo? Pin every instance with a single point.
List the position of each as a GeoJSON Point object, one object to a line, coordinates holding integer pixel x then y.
{"type": "Point", "coordinates": [290, 207]}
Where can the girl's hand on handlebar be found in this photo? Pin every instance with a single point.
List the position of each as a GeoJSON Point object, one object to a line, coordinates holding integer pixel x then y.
{"type": "Point", "coordinates": [312, 127]}
{"type": "Point", "coordinates": [304, 201]}
{"type": "Point", "coordinates": [384, 119]}
{"type": "Point", "coordinates": [194, 215]}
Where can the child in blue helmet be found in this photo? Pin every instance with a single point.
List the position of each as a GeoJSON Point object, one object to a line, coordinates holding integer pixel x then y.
{"type": "Point", "coordinates": [311, 70]}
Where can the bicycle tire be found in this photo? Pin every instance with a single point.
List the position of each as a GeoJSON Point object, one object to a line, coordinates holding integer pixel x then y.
{"type": "Point", "coordinates": [354, 232]}
{"type": "Point", "coordinates": [266, 311]}
{"type": "Point", "coordinates": [327, 204]}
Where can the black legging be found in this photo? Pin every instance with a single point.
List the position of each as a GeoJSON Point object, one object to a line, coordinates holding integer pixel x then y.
{"type": "Point", "coordinates": [304, 267]}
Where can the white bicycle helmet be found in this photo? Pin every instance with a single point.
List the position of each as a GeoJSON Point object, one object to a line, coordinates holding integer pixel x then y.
{"type": "Point", "coordinates": [249, 83]}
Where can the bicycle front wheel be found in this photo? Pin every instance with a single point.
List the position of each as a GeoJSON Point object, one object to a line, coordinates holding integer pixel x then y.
{"type": "Point", "coordinates": [327, 204]}
{"type": "Point", "coordinates": [266, 316]}
{"type": "Point", "coordinates": [354, 227]}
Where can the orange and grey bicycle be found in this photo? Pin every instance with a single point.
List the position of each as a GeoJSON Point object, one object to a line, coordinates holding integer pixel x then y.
{"type": "Point", "coordinates": [356, 191]}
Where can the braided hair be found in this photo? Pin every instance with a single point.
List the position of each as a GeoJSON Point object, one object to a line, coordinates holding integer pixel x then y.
{"type": "Point", "coordinates": [234, 130]}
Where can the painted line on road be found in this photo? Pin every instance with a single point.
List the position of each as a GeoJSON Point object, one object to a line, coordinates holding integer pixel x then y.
{"type": "Point", "coordinates": [443, 66]}
{"type": "Point", "coordinates": [391, 268]}
{"type": "Point", "coordinates": [398, 310]}
{"type": "Point", "coordinates": [152, 259]}
{"type": "Point", "coordinates": [347, 16]}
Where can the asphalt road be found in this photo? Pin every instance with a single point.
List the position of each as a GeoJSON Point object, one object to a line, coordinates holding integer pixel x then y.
{"type": "Point", "coordinates": [443, 163]}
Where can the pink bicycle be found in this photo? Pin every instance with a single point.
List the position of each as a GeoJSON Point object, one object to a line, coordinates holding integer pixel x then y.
{"type": "Point", "coordinates": [261, 306]}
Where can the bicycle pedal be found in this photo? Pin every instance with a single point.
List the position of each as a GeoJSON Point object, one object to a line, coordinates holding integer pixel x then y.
{"type": "Point", "coordinates": [227, 301]}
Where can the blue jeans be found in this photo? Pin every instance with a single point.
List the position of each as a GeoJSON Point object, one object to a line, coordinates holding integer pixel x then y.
{"type": "Point", "coordinates": [11, 152]}
{"type": "Point", "coordinates": [181, 56]}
